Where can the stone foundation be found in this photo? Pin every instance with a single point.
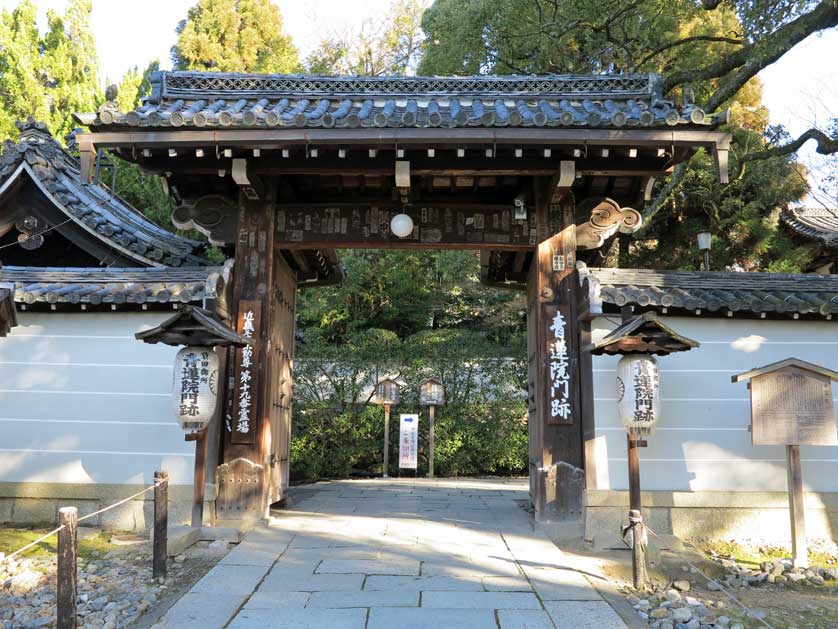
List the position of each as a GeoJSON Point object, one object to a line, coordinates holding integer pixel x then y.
{"type": "Point", "coordinates": [760, 516]}
{"type": "Point", "coordinates": [28, 504]}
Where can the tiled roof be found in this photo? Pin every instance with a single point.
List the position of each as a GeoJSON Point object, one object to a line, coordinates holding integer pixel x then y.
{"type": "Point", "coordinates": [107, 286]}
{"type": "Point", "coordinates": [817, 223]}
{"type": "Point", "coordinates": [719, 293]}
{"type": "Point", "coordinates": [195, 99]}
{"type": "Point", "coordinates": [91, 207]}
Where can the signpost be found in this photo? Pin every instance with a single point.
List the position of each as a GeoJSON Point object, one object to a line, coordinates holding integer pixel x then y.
{"type": "Point", "coordinates": [431, 394]}
{"type": "Point", "coordinates": [386, 393]}
{"type": "Point", "coordinates": [408, 441]}
{"type": "Point", "coordinates": [791, 406]}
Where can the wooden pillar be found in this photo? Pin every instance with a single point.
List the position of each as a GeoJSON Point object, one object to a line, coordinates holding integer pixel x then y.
{"type": "Point", "coordinates": [431, 410]}
{"type": "Point", "coordinates": [68, 517]}
{"type": "Point", "coordinates": [247, 428]}
{"type": "Point", "coordinates": [555, 431]}
{"type": "Point", "coordinates": [386, 461]}
{"type": "Point", "coordinates": [799, 547]}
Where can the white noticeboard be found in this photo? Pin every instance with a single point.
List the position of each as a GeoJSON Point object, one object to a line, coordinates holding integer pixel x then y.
{"type": "Point", "coordinates": [408, 440]}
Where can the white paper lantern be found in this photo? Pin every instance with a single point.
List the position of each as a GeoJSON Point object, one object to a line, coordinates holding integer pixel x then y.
{"type": "Point", "coordinates": [195, 388]}
{"type": "Point", "coordinates": [638, 393]}
{"type": "Point", "coordinates": [401, 225]}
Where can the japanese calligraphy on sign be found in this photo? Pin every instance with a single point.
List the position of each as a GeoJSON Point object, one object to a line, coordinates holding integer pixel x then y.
{"type": "Point", "coordinates": [247, 376]}
{"type": "Point", "coordinates": [638, 393]}
{"type": "Point", "coordinates": [408, 441]}
{"type": "Point", "coordinates": [558, 372]}
{"type": "Point", "coordinates": [195, 387]}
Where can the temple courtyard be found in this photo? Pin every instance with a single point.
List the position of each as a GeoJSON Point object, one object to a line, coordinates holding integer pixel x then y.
{"type": "Point", "coordinates": [397, 553]}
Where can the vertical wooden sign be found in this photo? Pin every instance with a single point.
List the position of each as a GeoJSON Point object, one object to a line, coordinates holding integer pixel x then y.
{"type": "Point", "coordinates": [247, 374]}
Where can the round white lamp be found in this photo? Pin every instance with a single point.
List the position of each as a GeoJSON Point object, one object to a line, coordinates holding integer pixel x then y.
{"type": "Point", "coordinates": [401, 225]}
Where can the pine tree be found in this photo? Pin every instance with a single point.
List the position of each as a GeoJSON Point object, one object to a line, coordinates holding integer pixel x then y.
{"type": "Point", "coordinates": [234, 36]}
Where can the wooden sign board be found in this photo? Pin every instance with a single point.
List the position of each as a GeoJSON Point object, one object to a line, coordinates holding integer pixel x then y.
{"type": "Point", "coordinates": [792, 406]}
{"type": "Point", "coordinates": [247, 372]}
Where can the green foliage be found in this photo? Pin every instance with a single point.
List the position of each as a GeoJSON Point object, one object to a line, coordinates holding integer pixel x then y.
{"type": "Point", "coordinates": [49, 76]}
{"type": "Point", "coordinates": [681, 38]}
{"type": "Point", "coordinates": [392, 45]}
{"type": "Point", "coordinates": [234, 36]}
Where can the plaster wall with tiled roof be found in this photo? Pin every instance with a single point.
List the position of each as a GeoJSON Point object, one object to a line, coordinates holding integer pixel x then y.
{"type": "Point", "coordinates": [712, 293]}
{"type": "Point", "coordinates": [196, 99]}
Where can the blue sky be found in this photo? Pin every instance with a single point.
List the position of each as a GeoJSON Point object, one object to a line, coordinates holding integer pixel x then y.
{"type": "Point", "coordinates": [801, 90]}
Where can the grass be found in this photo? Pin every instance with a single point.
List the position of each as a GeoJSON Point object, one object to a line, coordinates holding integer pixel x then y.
{"type": "Point", "coordinates": [755, 554]}
{"type": "Point", "coordinates": [12, 538]}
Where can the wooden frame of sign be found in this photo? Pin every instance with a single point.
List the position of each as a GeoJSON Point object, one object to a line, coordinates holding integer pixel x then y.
{"type": "Point", "coordinates": [791, 405]}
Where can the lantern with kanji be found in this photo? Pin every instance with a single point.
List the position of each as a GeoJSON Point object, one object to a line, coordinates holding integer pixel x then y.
{"type": "Point", "coordinates": [638, 393]}
{"type": "Point", "coordinates": [195, 387]}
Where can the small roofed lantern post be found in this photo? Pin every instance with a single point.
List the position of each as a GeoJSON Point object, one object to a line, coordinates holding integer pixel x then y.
{"type": "Point", "coordinates": [431, 394]}
{"type": "Point", "coordinates": [386, 393]}
{"type": "Point", "coordinates": [791, 406]}
{"type": "Point", "coordinates": [196, 380]}
{"type": "Point", "coordinates": [638, 340]}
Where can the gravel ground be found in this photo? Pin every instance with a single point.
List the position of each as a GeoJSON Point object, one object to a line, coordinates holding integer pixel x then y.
{"type": "Point", "coordinates": [114, 591]}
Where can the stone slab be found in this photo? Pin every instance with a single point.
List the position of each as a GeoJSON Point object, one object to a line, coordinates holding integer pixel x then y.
{"type": "Point", "coordinates": [423, 584]}
{"type": "Point", "coordinates": [277, 600]}
{"type": "Point", "coordinates": [368, 566]}
{"type": "Point", "coordinates": [506, 584]}
{"type": "Point", "coordinates": [312, 583]}
{"type": "Point", "coordinates": [525, 619]}
{"type": "Point", "coordinates": [231, 580]}
{"type": "Point", "coordinates": [562, 585]}
{"type": "Point", "coordinates": [425, 618]}
{"type": "Point", "coordinates": [584, 615]}
{"type": "Point", "coordinates": [300, 619]}
{"type": "Point", "coordinates": [480, 600]}
{"type": "Point", "coordinates": [201, 609]}
{"type": "Point", "coordinates": [365, 598]}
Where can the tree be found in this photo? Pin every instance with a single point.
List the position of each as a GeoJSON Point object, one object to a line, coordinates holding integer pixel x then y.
{"type": "Point", "coordinates": [392, 45]}
{"type": "Point", "coordinates": [710, 51]}
{"type": "Point", "coordinates": [47, 76]}
{"type": "Point", "coordinates": [234, 36]}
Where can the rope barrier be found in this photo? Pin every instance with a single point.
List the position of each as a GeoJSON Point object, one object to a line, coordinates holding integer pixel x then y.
{"type": "Point", "coordinates": [721, 587]}
{"type": "Point", "coordinates": [86, 517]}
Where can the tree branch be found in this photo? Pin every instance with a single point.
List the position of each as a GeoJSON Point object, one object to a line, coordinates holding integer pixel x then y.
{"type": "Point", "coordinates": [657, 203]}
{"type": "Point", "coordinates": [689, 40]}
{"type": "Point", "coordinates": [826, 146]}
{"type": "Point", "coordinates": [749, 60]}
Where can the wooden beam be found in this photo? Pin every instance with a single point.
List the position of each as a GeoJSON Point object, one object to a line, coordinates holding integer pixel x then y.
{"type": "Point", "coordinates": [278, 138]}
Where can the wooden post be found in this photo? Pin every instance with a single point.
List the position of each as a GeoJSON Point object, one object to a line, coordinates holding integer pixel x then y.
{"type": "Point", "coordinates": [431, 441]}
{"type": "Point", "coordinates": [68, 517]}
{"type": "Point", "coordinates": [797, 511]}
{"type": "Point", "coordinates": [384, 465]}
{"type": "Point", "coordinates": [638, 533]}
{"type": "Point", "coordinates": [555, 426]}
{"type": "Point", "coordinates": [199, 482]}
{"type": "Point", "coordinates": [161, 517]}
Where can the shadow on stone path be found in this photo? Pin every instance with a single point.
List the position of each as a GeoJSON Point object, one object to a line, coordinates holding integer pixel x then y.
{"type": "Point", "coordinates": [400, 554]}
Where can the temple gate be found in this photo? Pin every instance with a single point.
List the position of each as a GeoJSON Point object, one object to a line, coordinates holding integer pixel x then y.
{"type": "Point", "coordinates": [535, 172]}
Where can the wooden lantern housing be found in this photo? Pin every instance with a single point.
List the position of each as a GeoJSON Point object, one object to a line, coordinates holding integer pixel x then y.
{"type": "Point", "coordinates": [387, 391]}
{"type": "Point", "coordinates": [431, 393]}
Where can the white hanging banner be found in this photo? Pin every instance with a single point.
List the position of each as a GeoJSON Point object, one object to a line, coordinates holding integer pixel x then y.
{"type": "Point", "coordinates": [195, 388]}
{"type": "Point", "coordinates": [638, 393]}
{"type": "Point", "coordinates": [408, 441]}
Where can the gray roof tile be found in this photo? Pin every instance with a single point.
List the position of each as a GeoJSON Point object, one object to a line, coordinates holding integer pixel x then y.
{"type": "Point", "coordinates": [203, 99]}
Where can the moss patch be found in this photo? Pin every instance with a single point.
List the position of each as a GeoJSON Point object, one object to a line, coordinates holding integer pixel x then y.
{"type": "Point", "coordinates": [12, 538]}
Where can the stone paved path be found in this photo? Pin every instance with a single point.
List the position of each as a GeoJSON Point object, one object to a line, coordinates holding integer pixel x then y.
{"type": "Point", "coordinates": [396, 554]}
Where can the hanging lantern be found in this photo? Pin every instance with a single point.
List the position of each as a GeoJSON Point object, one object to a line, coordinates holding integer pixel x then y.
{"type": "Point", "coordinates": [431, 393]}
{"type": "Point", "coordinates": [387, 392]}
{"type": "Point", "coordinates": [638, 393]}
{"type": "Point", "coordinates": [195, 389]}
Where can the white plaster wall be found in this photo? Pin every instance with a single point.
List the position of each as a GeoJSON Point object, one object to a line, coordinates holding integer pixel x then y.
{"type": "Point", "coordinates": [82, 401]}
{"type": "Point", "coordinates": [702, 442]}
